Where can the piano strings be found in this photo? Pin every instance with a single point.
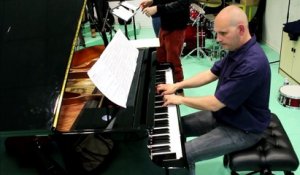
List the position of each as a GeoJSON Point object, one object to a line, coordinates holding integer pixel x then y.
{"type": "Point", "coordinates": [79, 88]}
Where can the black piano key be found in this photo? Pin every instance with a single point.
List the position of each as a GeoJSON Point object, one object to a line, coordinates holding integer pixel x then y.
{"type": "Point", "coordinates": [161, 116]}
{"type": "Point", "coordinates": [159, 103]}
{"type": "Point", "coordinates": [160, 110]}
{"type": "Point", "coordinates": [160, 82]}
{"type": "Point", "coordinates": [160, 131]}
{"type": "Point", "coordinates": [161, 123]}
{"type": "Point", "coordinates": [163, 157]}
{"type": "Point", "coordinates": [158, 98]}
{"type": "Point", "coordinates": [163, 78]}
{"type": "Point", "coordinates": [160, 140]}
{"type": "Point", "coordinates": [160, 149]}
{"type": "Point", "coordinates": [162, 73]}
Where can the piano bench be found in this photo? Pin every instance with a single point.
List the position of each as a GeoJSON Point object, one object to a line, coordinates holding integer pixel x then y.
{"type": "Point", "coordinates": [274, 152]}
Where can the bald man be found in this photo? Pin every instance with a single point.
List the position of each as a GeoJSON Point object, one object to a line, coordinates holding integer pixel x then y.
{"type": "Point", "coordinates": [237, 114]}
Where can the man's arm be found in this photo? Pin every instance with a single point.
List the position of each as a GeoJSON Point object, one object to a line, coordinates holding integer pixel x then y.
{"type": "Point", "coordinates": [195, 81]}
{"type": "Point", "coordinates": [159, 8]}
{"type": "Point", "coordinates": [210, 103]}
{"type": "Point", "coordinates": [200, 79]}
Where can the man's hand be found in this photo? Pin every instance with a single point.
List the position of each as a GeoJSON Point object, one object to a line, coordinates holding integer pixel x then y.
{"type": "Point", "coordinates": [145, 3]}
{"type": "Point", "coordinates": [165, 89]}
{"type": "Point", "coordinates": [149, 11]}
{"type": "Point", "coordinates": [172, 99]}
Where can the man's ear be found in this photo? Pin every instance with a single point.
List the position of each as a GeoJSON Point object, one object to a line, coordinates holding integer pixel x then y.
{"type": "Point", "coordinates": [241, 28]}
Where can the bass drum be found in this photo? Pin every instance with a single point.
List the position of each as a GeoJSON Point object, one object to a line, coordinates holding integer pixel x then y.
{"type": "Point", "coordinates": [191, 38]}
{"type": "Point", "coordinates": [289, 96]}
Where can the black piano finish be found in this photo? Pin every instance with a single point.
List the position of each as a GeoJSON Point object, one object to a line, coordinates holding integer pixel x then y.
{"type": "Point", "coordinates": [36, 39]}
{"type": "Point", "coordinates": [36, 49]}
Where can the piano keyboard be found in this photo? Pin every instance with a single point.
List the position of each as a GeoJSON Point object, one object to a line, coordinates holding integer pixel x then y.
{"type": "Point", "coordinates": [164, 139]}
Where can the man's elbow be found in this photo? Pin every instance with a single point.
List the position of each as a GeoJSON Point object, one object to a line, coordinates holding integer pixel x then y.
{"type": "Point", "coordinates": [216, 105]}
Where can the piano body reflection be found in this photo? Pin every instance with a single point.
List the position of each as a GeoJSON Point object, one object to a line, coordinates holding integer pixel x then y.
{"type": "Point", "coordinates": [42, 79]}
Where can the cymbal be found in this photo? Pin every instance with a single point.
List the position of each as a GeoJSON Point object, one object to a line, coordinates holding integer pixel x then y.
{"type": "Point", "coordinates": [210, 17]}
{"type": "Point", "coordinates": [197, 8]}
{"type": "Point", "coordinates": [210, 1]}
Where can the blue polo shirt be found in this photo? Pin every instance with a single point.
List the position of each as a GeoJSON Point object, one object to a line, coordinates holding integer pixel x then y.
{"type": "Point", "coordinates": [244, 87]}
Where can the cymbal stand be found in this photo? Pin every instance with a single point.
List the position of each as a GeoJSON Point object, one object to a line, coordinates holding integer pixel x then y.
{"type": "Point", "coordinates": [198, 49]}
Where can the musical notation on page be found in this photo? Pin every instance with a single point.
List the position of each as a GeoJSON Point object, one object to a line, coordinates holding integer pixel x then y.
{"type": "Point", "coordinates": [113, 72]}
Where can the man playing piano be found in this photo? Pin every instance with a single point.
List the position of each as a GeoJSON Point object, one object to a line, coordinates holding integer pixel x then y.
{"type": "Point", "coordinates": [235, 117]}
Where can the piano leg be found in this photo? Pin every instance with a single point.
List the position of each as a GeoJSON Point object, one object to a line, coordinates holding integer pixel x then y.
{"type": "Point", "coordinates": [167, 170]}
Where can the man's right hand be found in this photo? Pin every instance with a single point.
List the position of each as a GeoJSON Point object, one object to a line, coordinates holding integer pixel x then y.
{"type": "Point", "coordinates": [165, 89]}
{"type": "Point", "coordinates": [146, 3]}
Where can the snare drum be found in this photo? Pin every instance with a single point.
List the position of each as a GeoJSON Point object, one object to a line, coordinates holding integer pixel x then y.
{"type": "Point", "coordinates": [193, 14]}
{"type": "Point", "coordinates": [289, 96]}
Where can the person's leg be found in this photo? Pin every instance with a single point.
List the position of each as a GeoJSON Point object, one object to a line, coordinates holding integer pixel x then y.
{"type": "Point", "coordinates": [173, 44]}
{"type": "Point", "coordinates": [220, 141]}
{"type": "Point", "coordinates": [214, 139]}
{"type": "Point", "coordinates": [156, 24]}
{"type": "Point", "coordinates": [91, 18]}
{"type": "Point", "coordinates": [161, 54]}
{"type": "Point", "coordinates": [198, 123]}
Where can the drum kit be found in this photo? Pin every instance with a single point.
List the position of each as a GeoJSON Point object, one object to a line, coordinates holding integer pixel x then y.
{"type": "Point", "coordinates": [200, 28]}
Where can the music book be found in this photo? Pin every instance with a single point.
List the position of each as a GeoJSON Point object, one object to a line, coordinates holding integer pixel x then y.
{"type": "Point", "coordinates": [113, 72]}
{"type": "Point", "coordinates": [145, 43]}
{"type": "Point", "coordinates": [125, 10]}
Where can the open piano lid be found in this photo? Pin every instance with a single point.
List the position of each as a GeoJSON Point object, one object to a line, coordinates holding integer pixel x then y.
{"type": "Point", "coordinates": [36, 43]}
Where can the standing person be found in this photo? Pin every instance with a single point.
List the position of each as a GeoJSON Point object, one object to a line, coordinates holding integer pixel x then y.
{"type": "Point", "coordinates": [174, 16]}
{"type": "Point", "coordinates": [90, 17]}
{"type": "Point", "coordinates": [235, 117]}
{"type": "Point", "coordinates": [156, 24]}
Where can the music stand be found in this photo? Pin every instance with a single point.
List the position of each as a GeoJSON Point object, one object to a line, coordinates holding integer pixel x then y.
{"type": "Point", "coordinates": [126, 11]}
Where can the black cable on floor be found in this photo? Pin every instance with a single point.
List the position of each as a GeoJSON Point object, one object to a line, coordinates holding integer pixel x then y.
{"type": "Point", "coordinates": [274, 62]}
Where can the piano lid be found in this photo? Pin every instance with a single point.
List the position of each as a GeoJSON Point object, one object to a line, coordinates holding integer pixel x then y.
{"type": "Point", "coordinates": [36, 41]}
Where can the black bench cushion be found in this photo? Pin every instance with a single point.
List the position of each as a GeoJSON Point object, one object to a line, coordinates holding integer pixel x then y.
{"type": "Point", "coordinates": [274, 152]}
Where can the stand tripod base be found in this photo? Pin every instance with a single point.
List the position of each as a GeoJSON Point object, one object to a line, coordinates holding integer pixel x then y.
{"type": "Point", "coordinates": [200, 52]}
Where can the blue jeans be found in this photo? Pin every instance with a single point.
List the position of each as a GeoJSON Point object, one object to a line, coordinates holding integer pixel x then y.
{"type": "Point", "coordinates": [156, 24]}
{"type": "Point", "coordinates": [213, 139]}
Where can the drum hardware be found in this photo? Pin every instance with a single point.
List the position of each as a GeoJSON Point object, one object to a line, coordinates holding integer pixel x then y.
{"type": "Point", "coordinates": [289, 96]}
{"type": "Point", "coordinates": [215, 50]}
{"type": "Point", "coordinates": [206, 24]}
{"type": "Point", "coordinates": [196, 18]}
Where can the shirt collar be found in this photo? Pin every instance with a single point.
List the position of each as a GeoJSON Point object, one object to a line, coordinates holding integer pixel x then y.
{"type": "Point", "coordinates": [234, 55]}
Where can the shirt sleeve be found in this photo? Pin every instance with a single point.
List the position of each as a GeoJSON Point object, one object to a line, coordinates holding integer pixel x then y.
{"type": "Point", "coordinates": [216, 68]}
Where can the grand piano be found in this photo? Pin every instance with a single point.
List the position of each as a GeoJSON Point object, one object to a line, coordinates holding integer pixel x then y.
{"type": "Point", "coordinates": [37, 52]}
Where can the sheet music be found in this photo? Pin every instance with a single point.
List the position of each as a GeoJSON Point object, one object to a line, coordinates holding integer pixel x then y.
{"type": "Point", "coordinates": [122, 13]}
{"type": "Point", "coordinates": [114, 70]}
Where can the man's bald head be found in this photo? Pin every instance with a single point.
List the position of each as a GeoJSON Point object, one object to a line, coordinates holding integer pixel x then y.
{"type": "Point", "coordinates": [231, 27]}
{"type": "Point", "coordinates": [234, 15]}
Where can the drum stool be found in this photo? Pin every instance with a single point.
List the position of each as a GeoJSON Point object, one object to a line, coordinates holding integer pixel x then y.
{"type": "Point", "coordinates": [274, 152]}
